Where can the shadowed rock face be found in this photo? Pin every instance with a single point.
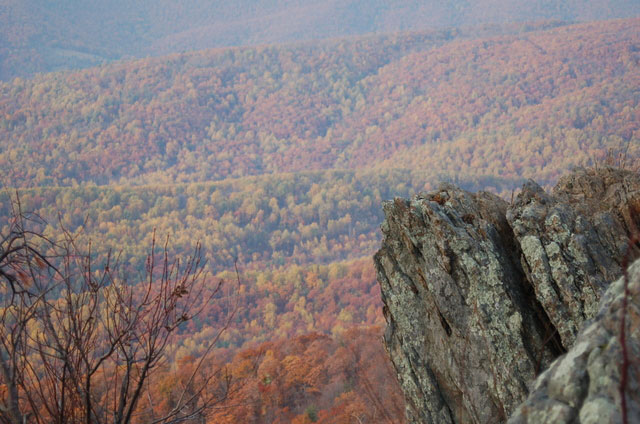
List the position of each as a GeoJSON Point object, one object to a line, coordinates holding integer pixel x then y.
{"type": "Point", "coordinates": [481, 295]}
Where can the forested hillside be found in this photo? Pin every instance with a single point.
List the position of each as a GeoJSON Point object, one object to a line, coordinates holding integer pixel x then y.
{"type": "Point", "coordinates": [312, 217]}
{"type": "Point", "coordinates": [41, 36]}
{"type": "Point", "coordinates": [291, 349]}
{"type": "Point", "coordinates": [507, 107]}
{"type": "Point", "coordinates": [277, 159]}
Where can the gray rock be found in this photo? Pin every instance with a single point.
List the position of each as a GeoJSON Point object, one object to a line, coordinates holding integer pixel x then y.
{"type": "Point", "coordinates": [480, 296]}
{"type": "Point", "coordinates": [465, 332]}
{"type": "Point", "coordinates": [583, 386]}
{"type": "Point", "coordinates": [573, 241]}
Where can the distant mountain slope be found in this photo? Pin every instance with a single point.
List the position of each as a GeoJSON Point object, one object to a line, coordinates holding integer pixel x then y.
{"type": "Point", "coordinates": [41, 36]}
{"type": "Point", "coordinates": [511, 106]}
{"type": "Point", "coordinates": [302, 218]}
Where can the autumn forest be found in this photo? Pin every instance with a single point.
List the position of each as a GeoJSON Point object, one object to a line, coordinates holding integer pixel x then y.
{"type": "Point", "coordinates": [273, 162]}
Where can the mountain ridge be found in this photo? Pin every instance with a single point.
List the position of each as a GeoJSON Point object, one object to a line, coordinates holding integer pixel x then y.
{"type": "Point", "coordinates": [72, 34]}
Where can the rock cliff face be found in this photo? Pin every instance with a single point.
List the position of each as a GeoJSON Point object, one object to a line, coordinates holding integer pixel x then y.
{"type": "Point", "coordinates": [481, 295]}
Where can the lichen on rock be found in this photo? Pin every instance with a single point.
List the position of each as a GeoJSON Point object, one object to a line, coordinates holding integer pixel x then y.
{"type": "Point", "coordinates": [481, 295]}
{"type": "Point", "coordinates": [573, 241]}
{"type": "Point", "coordinates": [584, 384]}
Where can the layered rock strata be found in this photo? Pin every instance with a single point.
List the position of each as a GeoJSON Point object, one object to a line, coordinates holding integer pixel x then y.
{"type": "Point", "coordinates": [481, 295]}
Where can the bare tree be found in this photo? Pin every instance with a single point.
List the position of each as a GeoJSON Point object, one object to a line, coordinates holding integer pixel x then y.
{"type": "Point", "coordinates": [79, 342]}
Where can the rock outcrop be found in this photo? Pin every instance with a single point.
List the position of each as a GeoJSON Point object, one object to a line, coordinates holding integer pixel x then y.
{"type": "Point", "coordinates": [573, 241]}
{"type": "Point", "coordinates": [583, 386]}
{"type": "Point", "coordinates": [481, 295]}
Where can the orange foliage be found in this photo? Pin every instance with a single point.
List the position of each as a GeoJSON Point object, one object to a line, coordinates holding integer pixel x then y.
{"type": "Point", "coordinates": [316, 378]}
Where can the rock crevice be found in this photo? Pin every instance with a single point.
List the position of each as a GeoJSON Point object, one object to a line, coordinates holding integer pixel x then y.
{"type": "Point", "coordinates": [481, 295]}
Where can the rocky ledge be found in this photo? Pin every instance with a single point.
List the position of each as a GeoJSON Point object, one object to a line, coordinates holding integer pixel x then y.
{"type": "Point", "coordinates": [482, 295]}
